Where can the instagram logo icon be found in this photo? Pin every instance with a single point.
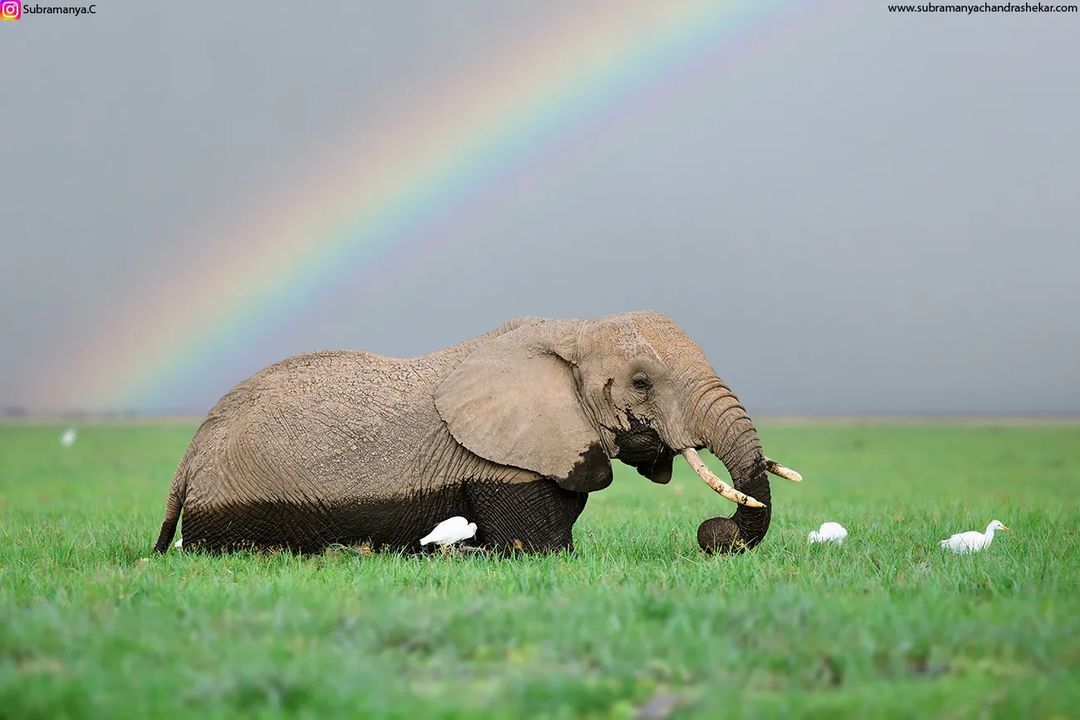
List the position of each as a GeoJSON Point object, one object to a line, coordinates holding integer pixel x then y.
{"type": "Point", "coordinates": [10, 10]}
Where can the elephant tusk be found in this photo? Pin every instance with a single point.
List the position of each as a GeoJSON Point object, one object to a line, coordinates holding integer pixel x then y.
{"type": "Point", "coordinates": [780, 471]}
{"type": "Point", "coordinates": [716, 483]}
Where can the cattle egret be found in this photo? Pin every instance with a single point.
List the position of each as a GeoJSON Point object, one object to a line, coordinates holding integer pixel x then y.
{"type": "Point", "coordinates": [828, 532]}
{"type": "Point", "coordinates": [68, 438]}
{"type": "Point", "coordinates": [179, 543]}
{"type": "Point", "coordinates": [973, 540]}
{"type": "Point", "coordinates": [450, 531]}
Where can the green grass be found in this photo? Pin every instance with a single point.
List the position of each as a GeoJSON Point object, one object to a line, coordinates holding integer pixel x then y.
{"type": "Point", "coordinates": [885, 625]}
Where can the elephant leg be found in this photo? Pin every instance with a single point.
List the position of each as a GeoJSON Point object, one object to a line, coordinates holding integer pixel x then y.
{"type": "Point", "coordinates": [394, 524]}
{"type": "Point", "coordinates": [535, 516]}
{"type": "Point", "coordinates": [255, 526]}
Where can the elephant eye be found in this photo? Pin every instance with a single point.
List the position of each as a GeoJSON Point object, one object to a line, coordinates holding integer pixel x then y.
{"type": "Point", "coordinates": [641, 383]}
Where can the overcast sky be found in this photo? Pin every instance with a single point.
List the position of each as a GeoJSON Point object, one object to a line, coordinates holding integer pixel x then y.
{"type": "Point", "coordinates": [869, 214]}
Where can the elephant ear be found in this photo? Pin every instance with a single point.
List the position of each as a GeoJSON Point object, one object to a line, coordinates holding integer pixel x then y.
{"type": "Point", "coordinates": [514, 401]}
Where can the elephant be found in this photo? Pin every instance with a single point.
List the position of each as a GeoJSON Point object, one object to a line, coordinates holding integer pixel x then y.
{"type": "Point", "coordinates": [512, 430]}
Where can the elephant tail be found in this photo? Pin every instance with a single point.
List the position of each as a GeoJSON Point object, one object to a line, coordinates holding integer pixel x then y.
{"type": "Point", "coordinates": [173, 506]}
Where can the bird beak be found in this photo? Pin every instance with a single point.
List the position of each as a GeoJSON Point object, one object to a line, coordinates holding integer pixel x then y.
{"type": "Point", "coordinates": [1005, 529]}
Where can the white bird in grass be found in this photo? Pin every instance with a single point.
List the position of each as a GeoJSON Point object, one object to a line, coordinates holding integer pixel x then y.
{"type": "Point", "coordinates": [67, 439]}
{"type": "Point", "coordinates": [450, 531]}
{"type": "Point", "coordinates": [973, 540]}
{"type": "Point", "coordinates": [828, 532]}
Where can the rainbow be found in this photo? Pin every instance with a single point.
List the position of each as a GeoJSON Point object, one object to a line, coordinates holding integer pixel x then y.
{"type": "Point", "coordinates": [596, 62]}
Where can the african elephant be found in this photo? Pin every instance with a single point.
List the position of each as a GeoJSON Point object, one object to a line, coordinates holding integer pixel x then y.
{"type": "Point", "coordinates": [512, 429]}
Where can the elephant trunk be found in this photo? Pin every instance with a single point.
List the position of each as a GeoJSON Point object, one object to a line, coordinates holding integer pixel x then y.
{"type": "Point", "coordinates": [724, 428]}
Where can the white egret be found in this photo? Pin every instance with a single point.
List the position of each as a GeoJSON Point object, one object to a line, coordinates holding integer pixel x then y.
{"type": "Point", "coordinates": [67, 439]}
{"type": "Point", "coordinates": [832, 532]}
{"type": "Point", "coordinates": [450, 531]}
{"type": "Point", "coordinates": [973, 540]}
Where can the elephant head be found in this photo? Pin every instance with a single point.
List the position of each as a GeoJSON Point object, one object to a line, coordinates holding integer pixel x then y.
{"type": "Point", "coordinates": [563, 397]}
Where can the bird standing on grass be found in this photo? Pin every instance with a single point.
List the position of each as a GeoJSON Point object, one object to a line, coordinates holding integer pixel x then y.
{"type": "Point", "coordinates": [450, 531]}
{"type": "Point", "coordinates": [828, 532]}
{"type": "Point", "coordinates": [67, 439]}
{"type": "Point", "coordinates": [973, 541]}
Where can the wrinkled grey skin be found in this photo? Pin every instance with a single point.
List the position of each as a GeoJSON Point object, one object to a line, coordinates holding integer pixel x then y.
{"type": "Point", "coordinates": [512, 430]}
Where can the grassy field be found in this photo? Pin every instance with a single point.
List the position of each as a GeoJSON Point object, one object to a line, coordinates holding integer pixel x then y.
{"type": "Point", "coordinates": [636, 620]}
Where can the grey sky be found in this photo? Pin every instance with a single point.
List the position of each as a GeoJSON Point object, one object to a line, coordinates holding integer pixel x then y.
{"type": "Point", "coordinates": [874, 214]}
